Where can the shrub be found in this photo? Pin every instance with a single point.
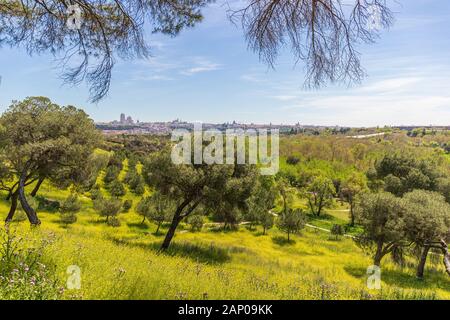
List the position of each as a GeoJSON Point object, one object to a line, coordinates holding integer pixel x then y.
{"type": "Point", "coordinates": [108, 207]}
{"type": "Point", "coordinates": [196, 222]}
{"type": "Point", "coordinates": [47, 205]}
{"type": "Point", "coordinates": [337, 230]}
{"type": "Point", "coordinates": [117, 189]}
{"type": "Point", "coordinates": [113, 222]}
{"type": "Point", "coordinates": [68, 217]}
{"type": "Point", "coordinates": [127, 204]}
{"type": "Point", "coordinates": [71, 205]}
{"type": "Point", "coordinates": [292, 160]}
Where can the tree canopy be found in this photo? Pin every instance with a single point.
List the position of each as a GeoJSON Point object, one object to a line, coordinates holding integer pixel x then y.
{"type": "Point", "coordinates": [44, 140]}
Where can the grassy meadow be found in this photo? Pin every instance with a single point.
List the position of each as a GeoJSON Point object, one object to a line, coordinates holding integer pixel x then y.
{"type": "Point", "coordinates": [124, 262]}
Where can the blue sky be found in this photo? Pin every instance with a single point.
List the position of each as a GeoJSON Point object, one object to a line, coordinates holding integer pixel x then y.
{"type": "Point", "coordinates": [207, 74]}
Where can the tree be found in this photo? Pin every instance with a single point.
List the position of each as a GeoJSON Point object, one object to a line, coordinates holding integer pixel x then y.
{"type": "Point", "coordinates": [116, 189]}
{"type": "Point", "coordinates": [381, 217]}
{"type": "Point", "coordinates": [322, 34]}
{"type": "Point", "coordinates": [402, 173]}
{"type": "Point", "coordinates": [127, 204]}
{"type": "Point", "coordinates": [291, 221]}
{"type": "Point", "coordinates": [427, 222]}
{"type": "Point", "coordinates": [196, 222]}
{"type": "Point", "coordinates": [108, 207]}
{"type": "Point", "coordinates": [267, 221]}
{"type": "Point", "coordinates": [443, 186]}
{"type": "Point", "coordinates": [350, 188]}
{"type": "Point", "coordinates": [157, 208]}
{"type": "Point", "coordinates": [89, 35]}
{"type": "Point", "coordinates": [319, 194]}
{"type": "Point", "coordinates": [103, 30]}
{"type": "Point", "coordinates": [261, 202]}
{"type": "Point", "coordinates": [215, 187]}
{"type": "Point", "coordinates": [42, 139]}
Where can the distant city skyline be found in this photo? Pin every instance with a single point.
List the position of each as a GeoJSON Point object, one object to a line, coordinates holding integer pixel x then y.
{"type": "Point", "coordinates": [207, 74]}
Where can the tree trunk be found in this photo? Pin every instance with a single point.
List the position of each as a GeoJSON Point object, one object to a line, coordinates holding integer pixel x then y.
{"type": "Point", "coordinates": [143, 220]}
{"type": "Point", "coordinates": [13, 207]}
{"type": "Point", "coordinates": [288, 236]}
{"type": "Point", "coordinates": [157, 229]}
{"type": "Point", "coordinates": [264, 230]}
{"type": "Point", "coordinates": [352, 214]}
{"type": "Point", "coordinates": [36, 188]}
{"type": "Point", "coordinates": [31, 214]}
{"type": "Point", "coordinates": [378, 255]}
{"type": "Point", "coordinates": [446, 256]}
{"type": "Point", "coordinates": [423, 260]}
{"type": "Point", "coordinates": [171, 232]}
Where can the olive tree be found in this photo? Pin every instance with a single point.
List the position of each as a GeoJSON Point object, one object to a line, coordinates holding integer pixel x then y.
{"type": "Point", "coordinates": [42, 139]}
{"type": "Point", "coordinates": [213, 186]}
{"type": "Point", "coordinates": [261, 202]}
{"type": "Point", "coordinates": [291, 221]}
{"type": "Point", "coordinates": [319, 194]}
{"type": "Point", "coordinates": [381, 217]}
{"type": "Point", "coordinates": [157, 208]}
{"type": "Point", "coordinates": [350, 188]}
{"type": "Point", "coordinates": [427, 222]}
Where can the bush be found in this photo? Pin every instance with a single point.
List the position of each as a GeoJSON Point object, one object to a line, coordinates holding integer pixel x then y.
{"type": "Point", "coordinates": [196, 222]}
{"type": "Point", "coordinates": [108, 207]}
{"type": "Point", "coordinates": [113, 222]}
{"type": "Point", "coordinates": [127, 204]}
{"type": "Point", "coordinates": [117, 189]}
{"type": "Point", "coordinates": [71, 205]}
{"type": "Point", "coordinates": [68, 217]}
{"type": "Point", "coordinates": [337, 230]}
{"type": "Point", "coordinates": [292, 160]}
{"type": "Point", "coordinates": [47, 205]}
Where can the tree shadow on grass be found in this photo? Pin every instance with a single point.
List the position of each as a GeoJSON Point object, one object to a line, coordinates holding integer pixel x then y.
{"type": "Point", "coordinates": [283, 241]}
{"type": "Point", "coordinates": [138, 225]}
{"type": "Point", "coordinates": [211, 254]}
{"type": "Point", "coordinates": [406, 278]}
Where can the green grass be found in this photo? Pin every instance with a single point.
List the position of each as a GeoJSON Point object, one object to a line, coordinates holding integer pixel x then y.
{"type": "Point", "coordinates": [124, 262]}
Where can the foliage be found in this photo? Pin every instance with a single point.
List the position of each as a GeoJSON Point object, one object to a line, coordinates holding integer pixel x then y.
{"type": "Point", "coordinates": [381, 217]}
{"type": "Point", "coordinates": [319, 194]}
{"type": "Point", "coordinates": [157, 208]}
{"type": "Point", "coordinates": [196, 222]}
{"type": "Point", "coordinates": [127, 205]}
{"type": "Point", "coordinates": [108, 207]}
{"type": "Point", "coordinates": [23, 272]}
{"type": "Point", "coordinates": [291, 221]}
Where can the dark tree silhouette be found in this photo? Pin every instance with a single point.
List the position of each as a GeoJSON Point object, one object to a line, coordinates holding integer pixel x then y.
{"type": "Point", "coordinates": [322, 33]}
{"type": "Point", "coordinates": [107, 28]}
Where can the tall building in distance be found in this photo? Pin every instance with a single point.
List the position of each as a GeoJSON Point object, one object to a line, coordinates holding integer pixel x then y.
{"type": "Point", "coordinates": [125, 120]}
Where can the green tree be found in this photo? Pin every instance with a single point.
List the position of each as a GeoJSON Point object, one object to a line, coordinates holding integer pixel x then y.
{"type": "Point", "coordinates": [381, 217]}
{"type": "Point", "coordinates": [291, 221]}
{"type": "Point", "coordinates": [157, 208]}
{"type": "Point", "coordinates": [350, 188]}
{"type": "Point", "coordinates": [427, 222]}
{"type": "Point", "coordinates": [213, 186]}
{"type": "Point", "coordinates": [108, 207]}
{"type": "Point", "coordinates": [42, 139]}
{"type": "Point", "coordinates": [319, 194]}
{"type": "Point", "coordinates": [116, 189]}
{"type": "Point", "coordinates": [261, 201]}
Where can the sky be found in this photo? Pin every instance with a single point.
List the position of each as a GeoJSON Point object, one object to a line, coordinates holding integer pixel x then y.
{"type": "Point", "coordinates": [207, 74]}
